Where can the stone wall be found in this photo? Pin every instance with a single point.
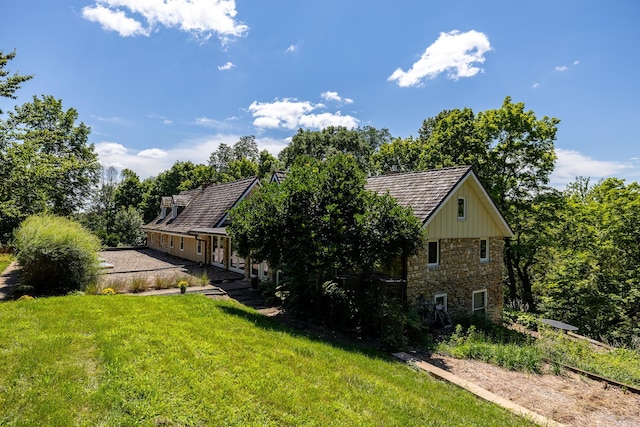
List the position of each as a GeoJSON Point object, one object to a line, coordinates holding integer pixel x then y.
{"type": "Point", "coordinates": [458, 274]}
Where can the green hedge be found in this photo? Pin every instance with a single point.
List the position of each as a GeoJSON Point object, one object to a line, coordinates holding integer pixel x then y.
{"type": "Point", "coordinates": [57, 255]}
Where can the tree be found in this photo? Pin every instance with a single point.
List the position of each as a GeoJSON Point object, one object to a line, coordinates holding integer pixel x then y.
{"type": "Point", "coordinates": [361, 143]}
{"type": "Point", "coordinates": [592, 280]}
{"type": "Point", "coordinates": [220, 159]}
{"type": "Point", "coordinates": [9, 84]}
{"type": "Point", "coordinates": [267, 165]}
{"type": "Point", "coordinates": [246, 148]}
{"type": "Point", "coordinates": [321, 219]}
{"type": "Point", "coordinates": [520, 160]}
{"type": "Point", "coordinates": [46, 163]}
{"type": "Point", "coordinates": [127, 226]}
{"type": "Point", "coordinates": [129, 192]}
{"type": "Point", "coordinates": [398, 155]}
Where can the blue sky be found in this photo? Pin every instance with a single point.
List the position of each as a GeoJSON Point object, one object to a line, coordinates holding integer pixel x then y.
{"type": "Point", "coordinates": [159, 81]}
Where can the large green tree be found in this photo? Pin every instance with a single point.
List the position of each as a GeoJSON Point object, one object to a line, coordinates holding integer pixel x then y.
{"type": "Point", "coordinates": [322, 220]}
{"type": "Point", "coordinates": [361, 143]}
{"type": "Point", "coordinates": [9, 83]}
{"type": "Point", "coordinates": [592, 280]}
{"type": "Point", "coordinates": [46, 163]}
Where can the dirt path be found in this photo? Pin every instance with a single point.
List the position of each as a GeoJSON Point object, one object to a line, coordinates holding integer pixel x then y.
{"type": "Point", "coordinates": [568, 398]}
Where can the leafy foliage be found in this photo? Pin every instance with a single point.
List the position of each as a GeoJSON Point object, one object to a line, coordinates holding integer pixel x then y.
{"type": "Point", "coordinates": [321, 221]}
{"type": "Point", "coordinates": [57, 255]}
{"type": "Point", "coordinates": [46, 164]}
{"type": "Point", "coordinates": [592, 279]}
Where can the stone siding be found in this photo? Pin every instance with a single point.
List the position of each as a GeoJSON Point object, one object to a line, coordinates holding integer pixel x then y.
{"type": "Point", "coordinates": [458, 274]}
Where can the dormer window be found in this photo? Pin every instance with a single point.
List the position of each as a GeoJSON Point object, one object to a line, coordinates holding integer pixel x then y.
{"type": "Point", "coordinates": [163, 212]}
{"type": "Point", "coordinates": [174, 211]}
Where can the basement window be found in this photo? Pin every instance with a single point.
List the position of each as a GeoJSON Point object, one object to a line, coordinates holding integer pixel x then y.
{"type": "Point", "coordinates": [479, 301]}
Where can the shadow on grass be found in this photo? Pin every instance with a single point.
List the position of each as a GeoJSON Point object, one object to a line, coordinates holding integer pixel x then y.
{"type": "Point", "coordinates": [284, 322]}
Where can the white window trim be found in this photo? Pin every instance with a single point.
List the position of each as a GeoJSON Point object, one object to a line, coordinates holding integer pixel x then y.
{"type": "Point", "coordinates": [170, 241]}
{"type": "Point", "coordinates": [437, 263]}
{"type": "Point", "coordinates": [199, 247]}
{"type": "Point", "coordinates": [444, 297]}
{"type": "Point", "coordinates": [182, 243]}
{"type": "Point", "coordinates": [464, 213]}
{"type": "Point", "coordinates": [486, 259]}
{"type": "Point", "coordinates": [473, 295]}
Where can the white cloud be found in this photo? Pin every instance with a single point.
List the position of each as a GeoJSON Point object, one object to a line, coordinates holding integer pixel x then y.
{"type": "Point", "coordinates": [152, 161]}
{"type": "Point", "coordinates": [561, 68]}
{"type": "Point", "coordinates": [114, 120]}
{"type": "Point", "coordinates": [576, 62]}
{"type": "Point", "coordinates": [453, 52]}
{"type": "Point", "coordinates": [291, 114]}
{"type": "Point", "coordinates": [165, 120]}
{"type": "Point", "coordinates": [110, 149]}
{"type": "Point", "coordinates": [294, 47]}
{"type": "Point", "coordinates": [333, 96]}
{"type": "Point", "coordinates": [201, 18]}
{"type": "Point", "coordinates": [153, 153]}
{"type": "Point", "coordinates": [114, 20]}
{"type": "Point", "coordinates": [536, 85]}
{"type": "Point", "coordinates": [227, 66]}
{"type": "Point", "coordinates": [212, 123]}
{"type": "Point", "coordinates": [571, 164]}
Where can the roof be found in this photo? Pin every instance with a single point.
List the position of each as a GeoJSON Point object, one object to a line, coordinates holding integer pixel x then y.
{"type": "Point", "coordinates": [427, 191]}
{"type": "Point", "coordinates": [204, 208]}
{"type": "Point", "coordinates": [422, 191]}
{"type": "Point", "coordinates": [278, 177]}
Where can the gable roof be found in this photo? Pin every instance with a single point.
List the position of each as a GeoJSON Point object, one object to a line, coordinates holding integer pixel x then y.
{"type": "Point", "coordinates": [203, 208]}
{"type": "Point", "coordinates": [427, 191]}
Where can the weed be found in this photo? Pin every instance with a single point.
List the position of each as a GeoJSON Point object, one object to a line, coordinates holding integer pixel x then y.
{"type": "Point", "coordinates": [139, 284]}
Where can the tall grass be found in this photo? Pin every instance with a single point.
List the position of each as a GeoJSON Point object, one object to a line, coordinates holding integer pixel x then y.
{"type": "Point", "coordinates": [516, 351]}
{"type": "Point", "coordinates": [190, 360]}
{"type": "Point", "coordinates": [5, 260]}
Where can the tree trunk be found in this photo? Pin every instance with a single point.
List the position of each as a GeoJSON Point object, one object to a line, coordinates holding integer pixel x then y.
{"type": "Point", "coordinates": [511, 277]}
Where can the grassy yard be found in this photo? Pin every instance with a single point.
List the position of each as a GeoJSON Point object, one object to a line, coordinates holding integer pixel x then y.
{"type": "Point", "coordinates": [5, 260]}
{"type": "Point", "coordinates": [190, 360]}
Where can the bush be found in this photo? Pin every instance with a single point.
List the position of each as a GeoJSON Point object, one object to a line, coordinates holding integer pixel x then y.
{"type": "Point", "coordinates": [57, 255]}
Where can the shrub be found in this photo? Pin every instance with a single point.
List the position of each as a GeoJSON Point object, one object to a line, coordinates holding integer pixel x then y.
{"type": "Point", "coordinates": [57, 255]}
{"type": "Point", "coordinates": [139, 284]}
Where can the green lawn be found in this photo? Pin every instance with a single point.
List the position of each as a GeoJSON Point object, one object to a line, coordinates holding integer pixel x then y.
{"type": "Point", "coordinates": [189, 360]}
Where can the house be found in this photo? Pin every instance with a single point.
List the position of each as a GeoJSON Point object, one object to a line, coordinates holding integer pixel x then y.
{"type": "Point", "coordinates": [460, 267]}
{"type": "Point", "coordinates": [192, 225]}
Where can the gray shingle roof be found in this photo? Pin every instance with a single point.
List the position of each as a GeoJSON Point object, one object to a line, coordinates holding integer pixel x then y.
{"type": "Point", "coordinates": [423, 191]}
{"type": "Point", "coordinates": [206, 207]}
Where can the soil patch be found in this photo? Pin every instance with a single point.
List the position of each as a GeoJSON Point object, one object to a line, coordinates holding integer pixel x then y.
{"type": "Point", "coordinates": [568, 398]}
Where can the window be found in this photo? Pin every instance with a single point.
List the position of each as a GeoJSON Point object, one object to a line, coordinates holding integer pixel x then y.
{"type": "Point", "coordinates": [440, 301]}
{"type": "Point", "coordinates": [462, 208]}
{"type": "Point", "coordinates": [484, 250]}
{"type": "Point", "coordinates": [433, 252]}
{"type": "Point", "coordinates": [182, 243]}
{"type": "Point", "coordinates": [199, 247]}
{"type": "Point", "coordinates": [479, 301]}
{"type": "Point", "coordinates": [171, 242]}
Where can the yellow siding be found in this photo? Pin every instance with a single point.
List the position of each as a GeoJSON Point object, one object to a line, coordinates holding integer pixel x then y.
{"type": "Point", "coordinates": [479, 222]}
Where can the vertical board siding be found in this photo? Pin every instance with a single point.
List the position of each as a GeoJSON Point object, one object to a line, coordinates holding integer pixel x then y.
{"type": "Point", "coordinates": [478, 223]}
